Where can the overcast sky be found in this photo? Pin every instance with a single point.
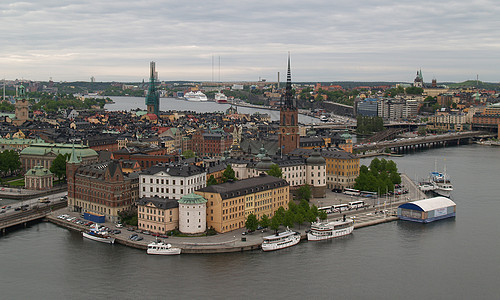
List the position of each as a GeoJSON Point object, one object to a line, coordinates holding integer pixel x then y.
{"type": "Point", "coordinates": [331, 40]}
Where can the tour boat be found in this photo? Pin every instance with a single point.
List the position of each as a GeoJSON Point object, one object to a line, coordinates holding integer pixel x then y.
{"type": "Point", "coordinates": [327, 230]}
{"type": "Point", "coordinates": [160, 248]}
{"type": "Point", "coordinates": [220, 98]}
{"type": "Point", "coordinates": [443, 186]}
{"type": "Point", "coordinates": [98, 234]}
{"type": "Point", "coordinates": [282, 240]}
{"type": "Point", "coordinates": [195, 96]}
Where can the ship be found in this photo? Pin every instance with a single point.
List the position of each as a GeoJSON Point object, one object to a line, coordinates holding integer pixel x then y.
{"type": "Point", "coordinates": [281, 240]}
{"type": "Point", "coordinates": [220, 98]}
{"type": "Point", "coordinates": [99, 234]}
{"type": "Point", "coordinates": [195, 96]}
{"type": "Point", "coordinates": [328, 230]}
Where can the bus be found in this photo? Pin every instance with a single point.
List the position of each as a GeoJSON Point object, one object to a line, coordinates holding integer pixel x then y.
{"type": "Point", "coordinates": [368, 194]}
{"type": "Point", "coordinates": [44, 200]}
{"type": "Point", "coordinates": [356, 204]}
{"type": "Point", "coordinates": [340, 207]}
{"type": "Point", "coordinates": [327, 209]}
{"type": "Point", "coordinates": [352, 192]}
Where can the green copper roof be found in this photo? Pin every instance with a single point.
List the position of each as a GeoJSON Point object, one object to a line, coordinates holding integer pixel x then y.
{"type": "Point", "coordinates": [38, 171]}
{"type": "Point", "coordinates": [73, 159]}
{"type": "Point", "coordinates": [192, 199]}
{"type": "Point", "coordinates": [44, 148]}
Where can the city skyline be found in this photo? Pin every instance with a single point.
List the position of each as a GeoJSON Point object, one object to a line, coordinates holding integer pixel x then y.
{"type": "Point", "coordinates": [346, 41]}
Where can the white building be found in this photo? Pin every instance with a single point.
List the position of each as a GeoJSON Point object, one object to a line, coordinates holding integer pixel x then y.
{"type": "Point", "coordinates": [192, 214]}
{"type": "Point", "coordinates": [171, 181]}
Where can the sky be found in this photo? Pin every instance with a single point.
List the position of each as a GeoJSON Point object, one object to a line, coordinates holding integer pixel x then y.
{"type": "Point", "coordinates": [239, 40]}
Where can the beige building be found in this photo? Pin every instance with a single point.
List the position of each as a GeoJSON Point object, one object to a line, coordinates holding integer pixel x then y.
{"type": "Point", "coordinates": [39, 178]}
{"type": "Point", "coordinates": [158, 215]}
{"type": "Point", "coordinates": [230, 203]}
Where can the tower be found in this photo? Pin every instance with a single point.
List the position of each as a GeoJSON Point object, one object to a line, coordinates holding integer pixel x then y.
{"type": "Point", "coordinates": [153, 97]}
{"type": "Point", "coordinates": [289, 129]}
{"type": "Point", "coordinates": [22, 107]}
{"type": "Point", "coordinates": [72, 166]}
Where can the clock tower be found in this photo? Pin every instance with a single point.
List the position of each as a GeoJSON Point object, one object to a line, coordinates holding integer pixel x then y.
{"type": "Point", "coordinates": [289, 128]}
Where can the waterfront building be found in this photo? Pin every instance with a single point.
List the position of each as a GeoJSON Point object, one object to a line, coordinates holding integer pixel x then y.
{"type": "Point", "coordinates": [367, 107]}
{"type": "Point", "coordinates": [153, 97]}
{"type": "Point", "coordinates": [157, 215]}
{"type": "Point", "coordinates": [449, 121]}
{"type": "Point", "coordinates": [427, 210]}
{"type": "Point", "coordinates": [192, 214]}
{"type": "Point", "coordinates": [42, 154]}
{"type": "Point", "coordinates": [38, 178]}
{"type": "Point", "coordinates": [171, 181]}
{"type": "Point", "coordinates": [342, 168]}
{"type": "Point", "coordinates": [230, 203]}
{"type": "Point", "coordinates": [288, 135]}
{"type": "Point", "coordinates": [100, 188]}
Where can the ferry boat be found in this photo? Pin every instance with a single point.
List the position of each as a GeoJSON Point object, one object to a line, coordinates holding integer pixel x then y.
{"type": "Point", "coordinates": [160, 248]}
{"type": "Point", "coordinates": [195, 96]}
{"type": "Point", "coordinates": [97, 233]}
{"type": "Point", "coordinates": [327, 230]}
{"type": "Point", "coordinates": [220, 98]}
{"type": "Point", "coordinates": [443, 186]}
{"type": "Point", "coordinates": [279, 241]}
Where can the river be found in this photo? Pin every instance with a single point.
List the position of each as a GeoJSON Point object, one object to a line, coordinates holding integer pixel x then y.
{"type": "Point", "coordinates": [166, 104]}
{"type": "Point", "coordinates": [449, 259]}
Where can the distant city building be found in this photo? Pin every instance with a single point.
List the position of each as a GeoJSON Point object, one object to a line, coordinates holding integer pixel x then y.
{"type": "Point", "coordinates": [153, 97]}
{"type": "Point", "coordinates": [42, 154]}
{"type": "Point", "coordinates": [38, 178]}
{"type": "Point", "coordinates": [288, 134]}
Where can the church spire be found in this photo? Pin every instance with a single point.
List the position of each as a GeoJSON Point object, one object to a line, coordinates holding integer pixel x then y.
{"type": "Point", "coordinates": [288, 97]}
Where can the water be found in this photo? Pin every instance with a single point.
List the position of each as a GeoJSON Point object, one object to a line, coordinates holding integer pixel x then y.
{"type": "Point", "coordinates": [454, 258]}
{"type": "Point", "coordinates": [166, 104]}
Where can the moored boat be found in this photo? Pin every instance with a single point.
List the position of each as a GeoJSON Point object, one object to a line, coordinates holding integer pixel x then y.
{"type": "Point", "coordinates": [160, 248]}
{"type": "Point", "coordinates": [220, 98]}
{"type": "Point", "coordinates": [99, 234]}
{"type": "Point", "coordinates": [328, 230]}
{"type": "Point", "coordinates": [281, 240]}
{"type": "Point", "coordinates": [442, 184]}
{"type": "Point", "coordinates": [195, 96]}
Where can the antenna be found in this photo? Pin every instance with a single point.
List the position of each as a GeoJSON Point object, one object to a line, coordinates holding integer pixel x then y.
{"type": "Point", "coordinates": [219, 68]}
{"type": "Point", "coordinates": [212, 68]}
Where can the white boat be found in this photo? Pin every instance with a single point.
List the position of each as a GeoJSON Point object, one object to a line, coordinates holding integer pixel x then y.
{"type": "Point", "coordinates": [160, 248]}
{"type": "Point", "coordinates": [98, 234]}
{"type": "Point", "coordinates": [443, 186]}
{"type": "Point", "coordinates": [195, 96]}
{"type": "Point", "coordinates": [328, 230]}
{"type": "Point", "coordinates": [282, 240]}
{"type": "Point", "coordinates": [427, 186]}
{"type": "Point", "coordinates": [323, 118]}
{"type": "Point", "coordinates": [220, 98]}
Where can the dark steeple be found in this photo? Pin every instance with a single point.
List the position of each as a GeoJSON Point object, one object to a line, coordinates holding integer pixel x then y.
{"type": "Point", "coordinates": [287, 97]}
{"type": "Point", "coordinates": [153, 97]}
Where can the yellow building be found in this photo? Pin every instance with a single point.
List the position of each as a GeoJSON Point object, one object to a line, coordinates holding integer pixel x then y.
{"type": "Point", "coordinates": [230, 203]}
{"type": "Point", "coordinates": [158, 215]}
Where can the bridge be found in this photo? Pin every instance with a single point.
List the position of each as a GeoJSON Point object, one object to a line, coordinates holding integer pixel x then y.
{"type": "Point", "coordinates": [23, 217]}
{"type": "Point", "coordinates": [425, 142]}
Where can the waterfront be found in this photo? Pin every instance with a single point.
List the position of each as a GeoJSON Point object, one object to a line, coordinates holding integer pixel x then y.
{"type": "Point", "coordinates": [166, 104]}
{"type": "Point", "coordinates": [454, 258]}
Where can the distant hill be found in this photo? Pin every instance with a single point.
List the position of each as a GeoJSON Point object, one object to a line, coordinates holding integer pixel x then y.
{"type": "Point", "coordinates": [475, 84]}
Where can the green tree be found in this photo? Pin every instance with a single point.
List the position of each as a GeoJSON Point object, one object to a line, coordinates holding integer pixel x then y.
{"type": "Point", "coordinates": [212, 180]}
{"type": "Point", "coordinates": [300, 217]}
{"type": "Point", "coordinates": [275, 171]}
{"type": "Point", "coordinates": [264, 221]}
{"type": "Point", "coordinates": [312, 214]}
{"type": "Point", "coordinates": [188, 154]}
{"type": "Point", "coordinates": [275, 223]}
{"type": "Point", "coordinates": [58, 166]}
{"type": "Point", "coordinates": [251, 223]}
{"type": "Point", "coordinates": [289, 218]}
{"type": "Point", "coordinates": [322, 215]}
{"type": "Point", "coordinates": [228, 174]}
{"type": "Point", "coordinates": [304, 192]}
{"type": "Point", "coordinates": [9, 162]}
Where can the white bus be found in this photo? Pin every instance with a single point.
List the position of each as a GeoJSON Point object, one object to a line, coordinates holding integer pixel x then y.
{"type": "Point", "coordinates": [340, 207]}
{"type": "Point", "coordinates": [352, 192]}
{"type": "Point", "coordinates": [356, 204]}
{"type": "Point", "coordinates": [327, 209]}
{"type": "Point", "coordinates": [368, 194]}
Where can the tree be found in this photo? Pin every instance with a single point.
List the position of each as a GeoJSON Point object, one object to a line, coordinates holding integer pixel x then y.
{"type": "Point", "coordinates": [58, 166]}
{"type": "Point", "coordinates": [275, 171]}
{"type": "Point", "coordinates": [188, 154]}
{"type": "Point", "coordinates": [212, 180]}
{"type": "Point", "coordinates": [275, 223]}
{"type": "Point", "coordinates": [289, 218]}
{"type": "Point", "coordinates": [304, 192]}
{"type": "Point", "coordinates": [322, 215]}
{"type": "Point", "coordinates": [9, 161]}
{"type": "Point", "coordinates": [251, 223]}
{"type": "Point", "coordinates": [300, 217]}
{"type": "Point", "coordinates": [265, 221]}
{"type": "Point", "coordinates": [228, 174]}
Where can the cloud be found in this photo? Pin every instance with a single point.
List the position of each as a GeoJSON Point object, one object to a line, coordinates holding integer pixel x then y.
{"type": "Point", "coordinates": [329, 40]}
